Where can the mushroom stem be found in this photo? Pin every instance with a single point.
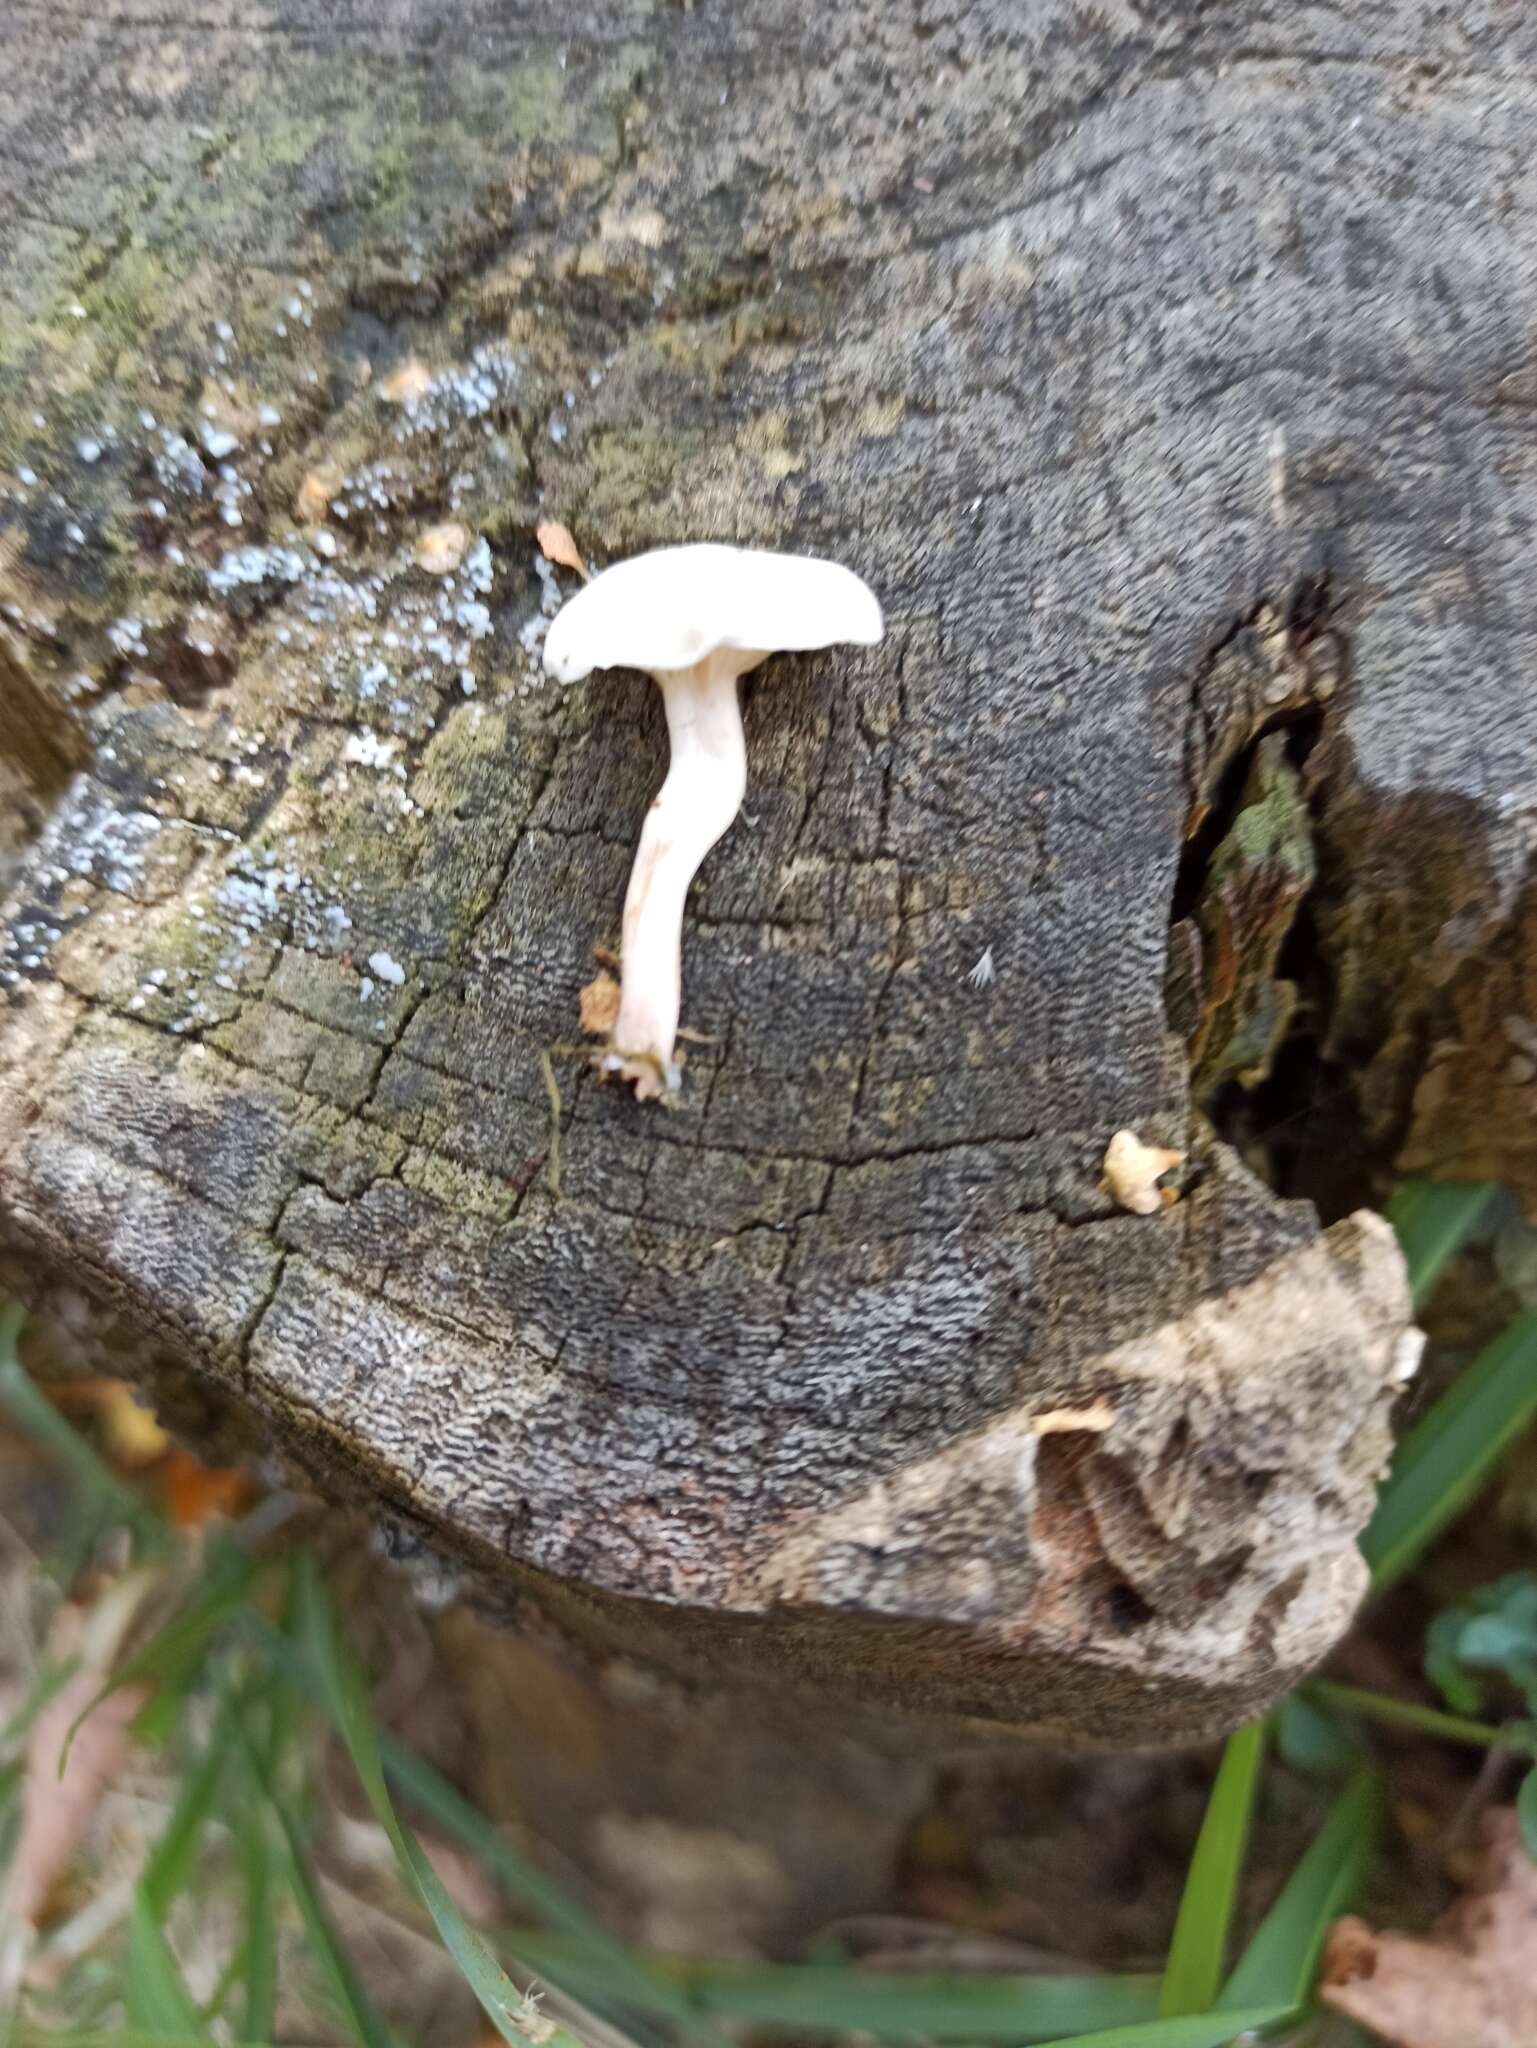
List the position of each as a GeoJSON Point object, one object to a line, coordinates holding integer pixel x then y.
{"type": "Point", "coordinates": [702, 793]}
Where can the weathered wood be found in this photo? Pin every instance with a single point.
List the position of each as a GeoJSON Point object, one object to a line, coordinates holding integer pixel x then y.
{"type": "Point", "coordinates": [1167, 369]}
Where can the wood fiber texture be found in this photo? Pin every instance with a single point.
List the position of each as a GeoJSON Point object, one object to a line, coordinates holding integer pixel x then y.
{"type": "Point", "coordinates": [1168, 370]}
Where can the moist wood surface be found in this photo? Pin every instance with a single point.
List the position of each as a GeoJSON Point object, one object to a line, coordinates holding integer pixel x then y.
{"type": "Point", "coordinates": [1168, 370]}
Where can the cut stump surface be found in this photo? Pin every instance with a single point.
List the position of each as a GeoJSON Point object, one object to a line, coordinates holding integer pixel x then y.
{"type": "Point", "coordinates": [1168, 370]}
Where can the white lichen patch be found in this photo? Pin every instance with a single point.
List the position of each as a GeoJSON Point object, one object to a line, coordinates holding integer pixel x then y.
{"type": "Point", "coordinates": [444, 400]}
{"type": "Point", "coordinates": [309, 601]}
{"type": "Point", "coordinates": [387, 969]}
{"type": "Point", "coordinates": [371, 750]}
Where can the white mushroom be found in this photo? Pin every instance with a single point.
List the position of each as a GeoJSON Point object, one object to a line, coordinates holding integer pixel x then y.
{"type": "Point", "coordinates": [694, 618]}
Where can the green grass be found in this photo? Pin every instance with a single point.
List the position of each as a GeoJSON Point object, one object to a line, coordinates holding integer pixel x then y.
{"type": "Point", "coordinates": [1281, 1961]}
{"type": "Point", "coordinates": [1444, 1460]}
{"type": "Point", "coordinates": [1192, 1975]}
{"type": "Point", "coordinates": [253, 1641]}
{"type": "Point", "coordinates": [1434, 1219]}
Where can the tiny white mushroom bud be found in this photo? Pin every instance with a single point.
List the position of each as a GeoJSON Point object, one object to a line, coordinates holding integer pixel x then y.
{"type": "Point", "coordinates": [694, 619]}
{"type": "Point", "coordinates": [1133, 1170]}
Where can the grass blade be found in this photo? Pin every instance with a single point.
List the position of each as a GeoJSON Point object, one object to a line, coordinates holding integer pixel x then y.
{"type": "Point", "coordinates": [347, 1697]}
{"type": "Point", "coordinates": [27, 2035]}
{"type": "Point", "coordinates": [353, 2004]}
{"type": "Point", "coordinates": [1198, 1953]}
{"type": "Point", "coordinates": [1395, 1713]}
{"type": "Point", "coordinates": [1526, 1813]}
{"type": "Point", "coordinates": [1434, 1219]}
{"type": "Point", "coordinates": [156, 1999]}
{"type": "Point", "coordinates": [354, 2008]}
{"type": "Point", "coordinates": [1280, 1963]}
{"type": "Point", "coordinates": [1189, 2030]}
{"type": "Point", "coordinates": [843, 1998]}
{"type": "Point", "coordinates": [173, 1657]}
{"type": "Point", "coordinates": [1449, 1453]}
{"type": "Point", "coordinates": [624, 1976]}
{"type": "Point", "coordinates": [259, 1966]}
{"type": "Point", "coordinates": [848, 2000]}
{"type": "Point", "coordinates": [169, 1869]}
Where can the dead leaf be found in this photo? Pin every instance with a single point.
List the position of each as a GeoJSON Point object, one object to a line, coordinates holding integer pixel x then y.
{"type": "Point", "coordinates": [57, 1809]}
{"type": "Point", "coordinates": [1132, 1170]}
{"type": "Point", "coordinates": [312, 500]}
{"type": "Point", "coordinates": [440, 549]}
{"type": "Point", "coordinates": [194, 1493]}
{"type": "Point", "coordinates": [1470, 1984]}
{"type": "Point", "coordinates": [599, 1002]}
{"type": "Point", "coordinates": [133, 1436]}
{"type": "Point", "coordinates": [1059, 1421]}
{"type": "Point", "coordinates": [411, 381]}
{"type": "Point", "coordinates": [557, 546]}
{"type": "Point", "coordinates": [122, 1418]}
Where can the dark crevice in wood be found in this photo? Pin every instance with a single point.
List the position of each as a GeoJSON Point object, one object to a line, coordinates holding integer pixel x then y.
{"type": "Point", "coordinates": [1299, 1124]}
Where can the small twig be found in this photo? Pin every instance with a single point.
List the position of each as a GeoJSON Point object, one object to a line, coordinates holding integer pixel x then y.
{"type": "Point", "coordinates": [1479, 1795]}
{"type": "Point", "coordinates": [1378, 1706]}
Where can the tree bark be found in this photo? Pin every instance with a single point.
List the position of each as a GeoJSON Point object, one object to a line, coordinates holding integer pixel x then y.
{"type": "Point", "coordinates": [1167, 370]}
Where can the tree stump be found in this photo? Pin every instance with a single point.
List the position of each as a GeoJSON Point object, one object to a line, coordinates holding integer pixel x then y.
{"type": "Point", "coordinates": [1167, 368]}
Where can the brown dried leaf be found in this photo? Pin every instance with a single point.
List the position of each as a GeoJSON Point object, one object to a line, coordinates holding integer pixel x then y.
{"type": "Point", "coordinates": [57, 1810]}
{"type": "Point", "coordinates": [1470, 1984]}
{"type": "Point", "coordinates": [557, 546]}
{"type": "Point", "coordinates": [1098, 1416]}
{"type": "Point", "coordinates": [440, 549]}
{"type": "Point", "coordinates": [132, 1434]}
{"type": "Point", "coordinates": [599, 1002]}
{"type": "Point", "coordinates": [1132, 1170]}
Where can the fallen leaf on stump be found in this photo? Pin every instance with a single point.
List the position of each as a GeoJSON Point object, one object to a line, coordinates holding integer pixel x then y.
{"type": "Point", "coordinates": [599, 1002]}
{"type": "Point", "coordinates": [557, 546]}
{"type": "Point", "coordinates": [1470, 1984]}
{"type": "Point", "coordinates": [1132, 1171]}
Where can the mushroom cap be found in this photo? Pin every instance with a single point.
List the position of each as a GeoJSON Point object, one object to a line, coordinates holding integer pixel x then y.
{"type": "Point", "coordinates": [674, 606]}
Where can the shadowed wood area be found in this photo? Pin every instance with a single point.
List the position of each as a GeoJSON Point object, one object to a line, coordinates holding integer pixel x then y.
{"type": "Point", "coordinates": [1198, 496]}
